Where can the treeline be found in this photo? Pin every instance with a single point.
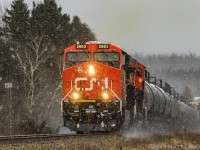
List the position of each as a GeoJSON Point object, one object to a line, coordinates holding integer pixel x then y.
{"type": "Point", "coordinates": [181, 71]}
{"type": "Point", "coordinates": [30, 43]}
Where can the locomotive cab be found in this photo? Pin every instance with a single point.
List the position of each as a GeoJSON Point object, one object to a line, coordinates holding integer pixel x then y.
{"type": "Point", "coordinates": [92, 87]}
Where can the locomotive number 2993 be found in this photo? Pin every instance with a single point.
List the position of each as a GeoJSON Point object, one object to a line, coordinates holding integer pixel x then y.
{"type": "Point", "coordinates": [81, 46]}
{"type": "Point", "coordinates": [103, 46]}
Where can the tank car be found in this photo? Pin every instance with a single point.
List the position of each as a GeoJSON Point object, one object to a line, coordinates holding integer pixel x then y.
{"type": "Point", "coordinates": [160, 102]}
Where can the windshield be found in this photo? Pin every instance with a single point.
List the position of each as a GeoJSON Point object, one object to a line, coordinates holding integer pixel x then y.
{"type": "Point", "coordinates": [78, 56]}
{"type": "Point", "coordinates": [105, 56]}
{"type": "Point", "coordinates": [108, 58]}
{"type": "Point", "coordinates": [75, 58]}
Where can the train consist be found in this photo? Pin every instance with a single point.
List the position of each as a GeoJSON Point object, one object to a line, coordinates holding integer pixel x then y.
{"type": "Point", "coordinates": [101, 83]}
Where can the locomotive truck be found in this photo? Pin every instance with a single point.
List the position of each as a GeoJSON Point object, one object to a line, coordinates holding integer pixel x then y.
{"type": "Point", "coordinates": [101, 83]}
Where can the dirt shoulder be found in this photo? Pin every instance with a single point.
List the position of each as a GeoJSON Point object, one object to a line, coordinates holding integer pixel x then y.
{"type": "Point", "coordinates": [115, 142]}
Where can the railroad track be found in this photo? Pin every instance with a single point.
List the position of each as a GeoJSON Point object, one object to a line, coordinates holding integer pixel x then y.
{"type": "Point", "coordinates": [46, 137]}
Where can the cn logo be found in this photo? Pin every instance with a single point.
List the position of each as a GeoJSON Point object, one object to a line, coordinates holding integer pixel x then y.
{"type": "Point", "coordinates": [92, 80]}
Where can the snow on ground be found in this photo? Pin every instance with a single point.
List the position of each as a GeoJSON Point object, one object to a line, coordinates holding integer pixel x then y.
{"type": "Point", "coordinates": [65, 130]}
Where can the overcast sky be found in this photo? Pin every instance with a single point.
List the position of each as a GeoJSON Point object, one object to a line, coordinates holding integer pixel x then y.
{"type": "Point", "coordinates": [146, 26]}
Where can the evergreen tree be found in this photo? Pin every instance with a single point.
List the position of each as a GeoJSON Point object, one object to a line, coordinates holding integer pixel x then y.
{"type": "Point", "coordinates": [80, 32]}
{"type": "Point", "coordinates": [17, 20]}
{"type": "Point", "coordinates": [33, 42]}
{"type": "Point", "coordinates": [45, 19]}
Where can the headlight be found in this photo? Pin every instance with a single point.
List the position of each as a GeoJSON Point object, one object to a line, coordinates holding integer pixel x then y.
{"type": "Point", "coordinates": [140, 80]}
{"type": "Point", "coordinates": [105, 95]}
{"type": "Point", "coordinates": [91, 70]}
{"type": "Point", "coordinates": [75, 95]}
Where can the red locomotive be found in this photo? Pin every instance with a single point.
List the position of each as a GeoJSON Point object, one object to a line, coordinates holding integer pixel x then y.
{"type": "Point", "coordinates": [100, 83]}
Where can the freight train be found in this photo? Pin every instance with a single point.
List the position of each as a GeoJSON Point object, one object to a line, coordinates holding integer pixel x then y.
{"type": "Point", "coordinates": [101, 83]}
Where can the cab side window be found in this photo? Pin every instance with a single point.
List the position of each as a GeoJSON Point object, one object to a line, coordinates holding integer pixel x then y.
{"type": "Point", "coordinates": [139, 72]}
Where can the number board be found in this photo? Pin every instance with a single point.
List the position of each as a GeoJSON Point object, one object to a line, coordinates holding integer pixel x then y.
{"type": "Point", "coordinates": [81, 46]}
{"type": "Point", "coordinates": [104, 46]}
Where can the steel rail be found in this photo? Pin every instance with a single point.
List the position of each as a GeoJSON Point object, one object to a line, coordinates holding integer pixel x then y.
{"type": "Point", "coordinates": [16, 139]}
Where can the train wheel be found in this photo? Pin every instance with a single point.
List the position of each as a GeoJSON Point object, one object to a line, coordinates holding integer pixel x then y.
{"type": "Point", "coordinates": [79, 132]}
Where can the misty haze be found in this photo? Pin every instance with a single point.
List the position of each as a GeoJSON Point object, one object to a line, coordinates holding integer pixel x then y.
{"type": "Point", "coordinates": [54, 54]}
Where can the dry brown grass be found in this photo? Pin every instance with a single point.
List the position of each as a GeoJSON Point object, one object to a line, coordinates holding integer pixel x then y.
{"type": "Point", "coordinates": [111, 142]}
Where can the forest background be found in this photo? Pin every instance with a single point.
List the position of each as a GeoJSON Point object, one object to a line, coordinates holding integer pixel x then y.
{"type": "Point", "coordinates": [30, 43]}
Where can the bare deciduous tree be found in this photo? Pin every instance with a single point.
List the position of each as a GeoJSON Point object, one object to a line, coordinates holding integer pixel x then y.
{"type": "Point", "coordinates": [31, 56]}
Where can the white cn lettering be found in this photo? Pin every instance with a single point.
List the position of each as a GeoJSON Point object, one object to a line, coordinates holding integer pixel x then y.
{"type": "Point", "coordinates": [106, 83]}
{"type": "Point", "coordinates": [91, 84]}
{"type": "Point", "coordinates": [76, 82]}
{"type": "Point", "coordinates": [92, 80]}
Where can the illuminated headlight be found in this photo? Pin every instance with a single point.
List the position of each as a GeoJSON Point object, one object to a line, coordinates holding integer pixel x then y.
{"type": "Point", "coordinates": [75, 95]}
{"type": "Point", "coordinates": [105, 95]}
{"type": "Point", "coordinates": [91, 69]}
{"type": "Point", "coordinates": [140, 80]}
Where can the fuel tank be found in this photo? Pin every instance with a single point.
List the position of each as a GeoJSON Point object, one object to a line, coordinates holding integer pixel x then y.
{"type": "Point", "coordinates": [160, 102]}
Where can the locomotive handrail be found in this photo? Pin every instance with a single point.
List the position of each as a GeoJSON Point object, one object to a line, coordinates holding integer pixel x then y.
{"type": "Point", "coordinates": [120, 100]}
{"type": "Point", "coordinates": [65, 97]}
{"type": "Point", "coordinates": [114, 93]}
{"type": "Point", "coordinates": [69, 92]}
